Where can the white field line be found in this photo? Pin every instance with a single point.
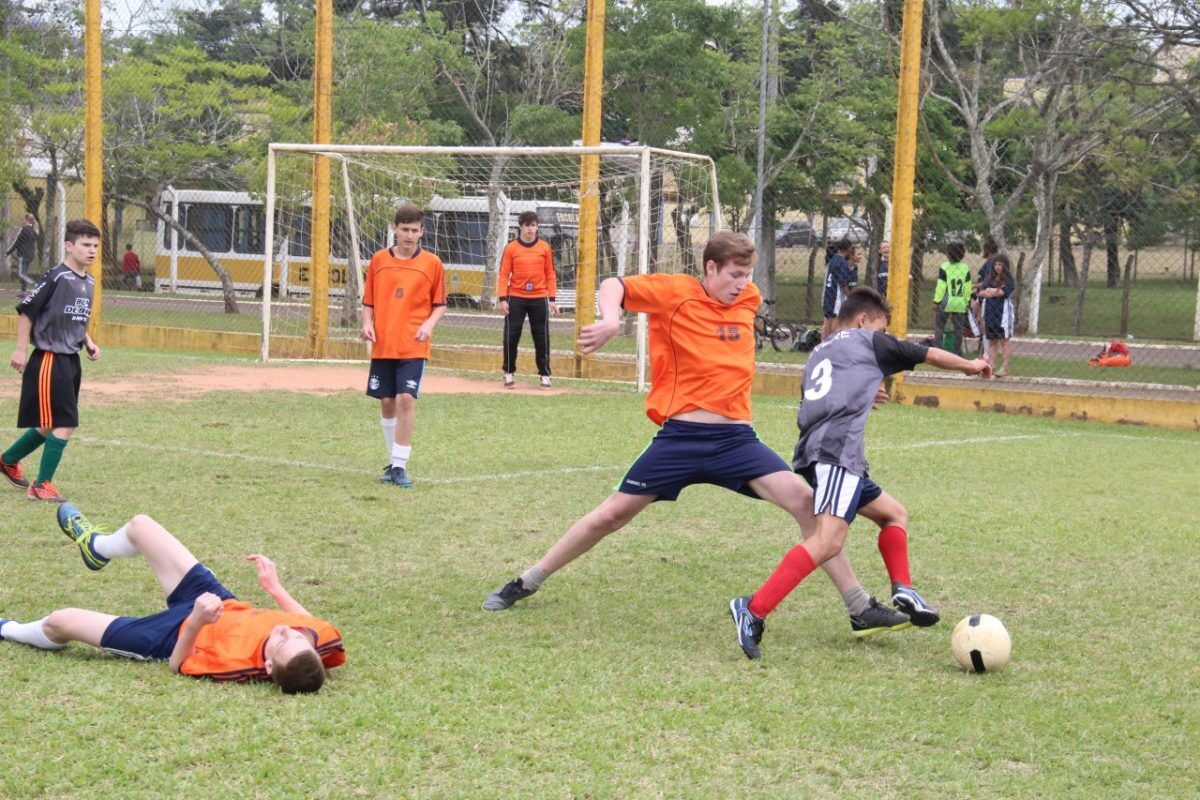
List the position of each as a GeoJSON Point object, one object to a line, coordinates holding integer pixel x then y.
{"type": "Point", "coordinates": [498, 476]}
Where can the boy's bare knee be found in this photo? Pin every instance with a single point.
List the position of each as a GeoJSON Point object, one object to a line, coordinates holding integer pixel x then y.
{"type": "Point", "coordinates": [405, 402]}
{"type": "Point", "coordinates": [56, 624]}
{"type": "Point", "coordinates": [140, 527]}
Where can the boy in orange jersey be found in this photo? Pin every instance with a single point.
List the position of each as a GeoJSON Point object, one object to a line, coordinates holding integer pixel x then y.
{"type": "Point", "coordinates": [205, 631]}
{"type": "Point", "coordinates": [404, 298]}
{"type": "Point", "coordinates": [702, 360]}
{"type": "Point", "coordinates": [526, 286]}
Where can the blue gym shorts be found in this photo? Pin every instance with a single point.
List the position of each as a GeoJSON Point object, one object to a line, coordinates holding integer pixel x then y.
{"type": "Point", "coordinates": [684, 453]}
{"type": "Point", "coordinates": [392, 376]}
{"type": "Point", "coordinates": [839, 491]}
{"type": "Point", "coordinates": [154, 637]}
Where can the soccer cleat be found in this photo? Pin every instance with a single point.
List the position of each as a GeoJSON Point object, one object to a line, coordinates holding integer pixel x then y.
{"type": "Point", "coordinates": [878, 618]}
{"type": "Point", "coordinates": [400, 478]}
{"type": "Point", "coordinates": [545, 381]}
{"type": "Point", "coordinates": [386, 475]}
{"type": "Point", "coordinates": [75, 525]}
{"type": "Point", "coordinates": [15, 474]}
{"type": "Point", "coordinates": [3, 621]}
{"type": "Point", "coordinates": [510, 381]}
{"type": "Point", "coordinates": [908, 600]}
{"type": "Point", "coordinates": [749, 627]}
{"type": "Point", "coordinates": [506, 595]}
{"type": "Point", "coordinates": [44, 491]}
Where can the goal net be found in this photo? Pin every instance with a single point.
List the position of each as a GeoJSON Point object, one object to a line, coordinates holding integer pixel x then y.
{"type": "Point", "coordinates": [650, 210]}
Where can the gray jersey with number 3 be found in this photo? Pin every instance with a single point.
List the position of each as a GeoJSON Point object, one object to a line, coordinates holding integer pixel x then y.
{"type": "Point", "coordinates": [840, 381]}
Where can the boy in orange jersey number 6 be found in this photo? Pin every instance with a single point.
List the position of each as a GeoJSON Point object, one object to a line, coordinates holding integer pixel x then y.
{"type": "Point", "coordinates": [700, 396]}
{"type": "Point", "coordinates": [404, 297]}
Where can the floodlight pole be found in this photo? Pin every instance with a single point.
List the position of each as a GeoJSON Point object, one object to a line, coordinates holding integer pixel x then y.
{"type": "Point", "coordinates": [93, 145]}
{"type": "Point", "coordinates": [905, 171]}
{"type": "Point", "coordinates": [318, 321]}
{"type": "Point", "coordinates": [589, 178]}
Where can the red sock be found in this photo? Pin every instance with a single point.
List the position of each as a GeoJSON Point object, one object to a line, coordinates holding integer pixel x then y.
{"type": "Point", "coordinates": [893, 546]}
{"type": "Point", "coordinates": [794, 568]}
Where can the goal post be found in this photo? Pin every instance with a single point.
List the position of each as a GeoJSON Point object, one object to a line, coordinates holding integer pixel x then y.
{"type": "Point", "coordinates": [657, 209]}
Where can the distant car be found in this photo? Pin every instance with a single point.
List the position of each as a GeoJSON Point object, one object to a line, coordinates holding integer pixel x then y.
{"type": "Point", "coordinates": [795, 234]}
{"type": "Point", "coordinates": [856, 229]}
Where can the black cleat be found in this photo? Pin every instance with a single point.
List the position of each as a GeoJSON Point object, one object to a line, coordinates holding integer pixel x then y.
{"type": "Point", "coordinates": [908, 600]}
{"type": "Point", "coordinates": [878, 618]}
{"type": "Point", "coordinates": [506, 595]}
{"type": "Point", "coordinates": [749, 627]}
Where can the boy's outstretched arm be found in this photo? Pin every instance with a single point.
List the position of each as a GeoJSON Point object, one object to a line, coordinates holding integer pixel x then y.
{"type": "Point", "coordinates": [268, 579]}
{"type": "Point", "coordinates": [610, 296]}
{"type": "Point", "coordinates": [944, 359]}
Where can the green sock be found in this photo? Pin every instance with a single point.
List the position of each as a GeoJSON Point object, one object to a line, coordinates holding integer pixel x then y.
{"type": "Point", "coordinates": [30, 440]}
{"type": "Point", "coordinates": [50, 457]}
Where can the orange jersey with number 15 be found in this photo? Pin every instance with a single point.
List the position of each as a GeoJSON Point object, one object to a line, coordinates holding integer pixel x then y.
{"type": "Point", "coordinates": [701, 350]}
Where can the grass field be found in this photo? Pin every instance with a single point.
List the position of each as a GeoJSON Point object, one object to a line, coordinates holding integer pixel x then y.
{"type": "Point", "coordinates": [621, 678]}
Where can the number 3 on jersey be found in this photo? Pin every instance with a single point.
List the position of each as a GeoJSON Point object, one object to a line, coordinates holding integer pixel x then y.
{"type": "Point", "coordinates": [820, 380]}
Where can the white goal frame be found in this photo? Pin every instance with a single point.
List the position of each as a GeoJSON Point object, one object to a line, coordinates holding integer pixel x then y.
{"type": "Point", "coordinates": [337, 152]}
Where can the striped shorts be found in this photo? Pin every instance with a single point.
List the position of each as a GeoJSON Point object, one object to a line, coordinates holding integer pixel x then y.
{"type": "Point", "coordinates": [50, 391]}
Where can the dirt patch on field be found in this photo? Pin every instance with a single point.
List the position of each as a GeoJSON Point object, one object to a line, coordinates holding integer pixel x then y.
{"type": "Point", "coordinates": [317, 380]}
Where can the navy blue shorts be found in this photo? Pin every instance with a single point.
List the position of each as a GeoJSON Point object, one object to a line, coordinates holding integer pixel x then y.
{"type": "Point", "coordinates": [838, 491]}
{"type": "Point", "coordinates": [683, 453]}
{"type": "Point", "coordinates": [392, 376]}
{"type": "Point", "coordinates": [154, 637]}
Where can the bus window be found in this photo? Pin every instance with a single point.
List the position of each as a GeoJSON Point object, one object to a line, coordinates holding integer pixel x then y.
{"type": "Point", "coordinates": [300, 234]}
{"type": "Point", "coordinates": [462, 238]}
{"type": "Point", "coordinates": [248, 230]}
{"type": "Point", "coordinates": [212, 223]}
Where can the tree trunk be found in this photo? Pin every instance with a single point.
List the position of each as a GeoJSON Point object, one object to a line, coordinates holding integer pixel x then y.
{"type": "Point", "coordinates": [812, 270]}
{"type": "Point", "coordinates": [1089, 244]}
{"type": "Point", "coordinates": [1030, 290]}
{"type": "Point", "coordinates": [766, 255]}
{"type": "Point", "coordinates": [656, 220]}
{"type": "Point", "coordinates": [231, 306]}
{"type": "Point", "coordinates": [497, 231]}
{"type": "Point", "coordinates": [1112, 254]}
{"type": "Point", "coordinates": [1066, 254]}
{"type": "Point", "coordinates": [916, 282]}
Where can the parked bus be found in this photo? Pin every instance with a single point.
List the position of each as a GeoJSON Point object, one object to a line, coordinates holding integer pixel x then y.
{"type": "Point", "coordinates": [231, 226]}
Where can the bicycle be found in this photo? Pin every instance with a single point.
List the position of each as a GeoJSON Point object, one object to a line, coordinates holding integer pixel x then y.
{"type": "Point", "coordinates": [782, 335]}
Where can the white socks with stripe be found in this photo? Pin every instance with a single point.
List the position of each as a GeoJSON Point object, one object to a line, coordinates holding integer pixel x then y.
{"type": "Point", "coordinates": [29, 633]}
{"type": "Point", "coordinates": [114, 545]}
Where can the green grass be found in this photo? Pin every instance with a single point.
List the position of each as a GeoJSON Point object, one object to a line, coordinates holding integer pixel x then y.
{"type": "Point", "coordinates": [621, 678]}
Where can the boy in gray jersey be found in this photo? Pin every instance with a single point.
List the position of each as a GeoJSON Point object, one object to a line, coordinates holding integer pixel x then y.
{"type": "Point", "coordinates": [840, 381]}
{"type": "Point", "coordinates": [55, 316]}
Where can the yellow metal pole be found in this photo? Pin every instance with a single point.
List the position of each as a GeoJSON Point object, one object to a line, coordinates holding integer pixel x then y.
{"type": "Point", "coordinates": [589, 178]}
{"type": "Point", "coordinates": [905, 169]}
{"type": "Point", "coordinates": [93, 144]}
{"type": "Point", "coordinates": [318, 321]}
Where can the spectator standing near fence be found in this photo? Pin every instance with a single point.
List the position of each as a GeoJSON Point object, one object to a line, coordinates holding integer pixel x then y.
{"type": "Point", "coordinates": [526, 287]}
{"type": "Point", "coordinates": [999, 317]}
{"type": "Point", "coordinates": [951, 299]}
{"type": "Point", "coordinates": [25, 248]}
{"type": "Point", "coordinates": [131, 268]}
{"type": "Point", "coordinates": [881, 273]}
{"type": "Point", "coordinates": [840, 278]}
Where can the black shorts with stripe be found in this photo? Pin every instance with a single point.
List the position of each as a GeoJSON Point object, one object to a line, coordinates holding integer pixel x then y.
{"type": "Point", "coordinates": [50, 391]}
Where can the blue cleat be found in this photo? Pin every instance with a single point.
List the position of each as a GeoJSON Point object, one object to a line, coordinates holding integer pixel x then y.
{"type": "Point", "coordinates": [75, 525]}
{"type": "Point", "coordinates": [400, 478]}
{"type": "Point", "coordinates": [749, 627]}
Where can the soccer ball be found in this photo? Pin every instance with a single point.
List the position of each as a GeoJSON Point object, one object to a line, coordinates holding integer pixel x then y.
{"type": "Point", "coordinates": [980, 643]}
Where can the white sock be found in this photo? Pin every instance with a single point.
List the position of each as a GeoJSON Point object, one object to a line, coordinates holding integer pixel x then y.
{"type": "Point", "coordinates": [400, 454]}
{"type": "Point", "coordinates": [115, 545]}
{"type": "Point", "coordinates": [389, 432]}
{"type": "Point", "coordinates": [29, 633]}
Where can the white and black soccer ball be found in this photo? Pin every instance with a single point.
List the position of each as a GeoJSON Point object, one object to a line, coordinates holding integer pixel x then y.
{"type": "Point", "coordinates": [980, 643]}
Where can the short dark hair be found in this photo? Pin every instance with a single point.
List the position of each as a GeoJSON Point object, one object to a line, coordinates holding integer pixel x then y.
{"type": "Point", "coordinates": [990, 248]}
{"type": "Point", "coordinates": [407, 214]}
{"type": "Point", "coordinates": [864, 298]}
{"type": "Point", "coordinates": [726, 246]}
{"type": "Point", "coordinates": [80, 227]}
{"type": "Point", "coordinates": [842, 244]}
{"type": "Point", "coordinates": [956, 251]}
{"type": "Point", "coordinates": [302, 674]}
{"type": "Point", "coordinates": [527, 217]}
